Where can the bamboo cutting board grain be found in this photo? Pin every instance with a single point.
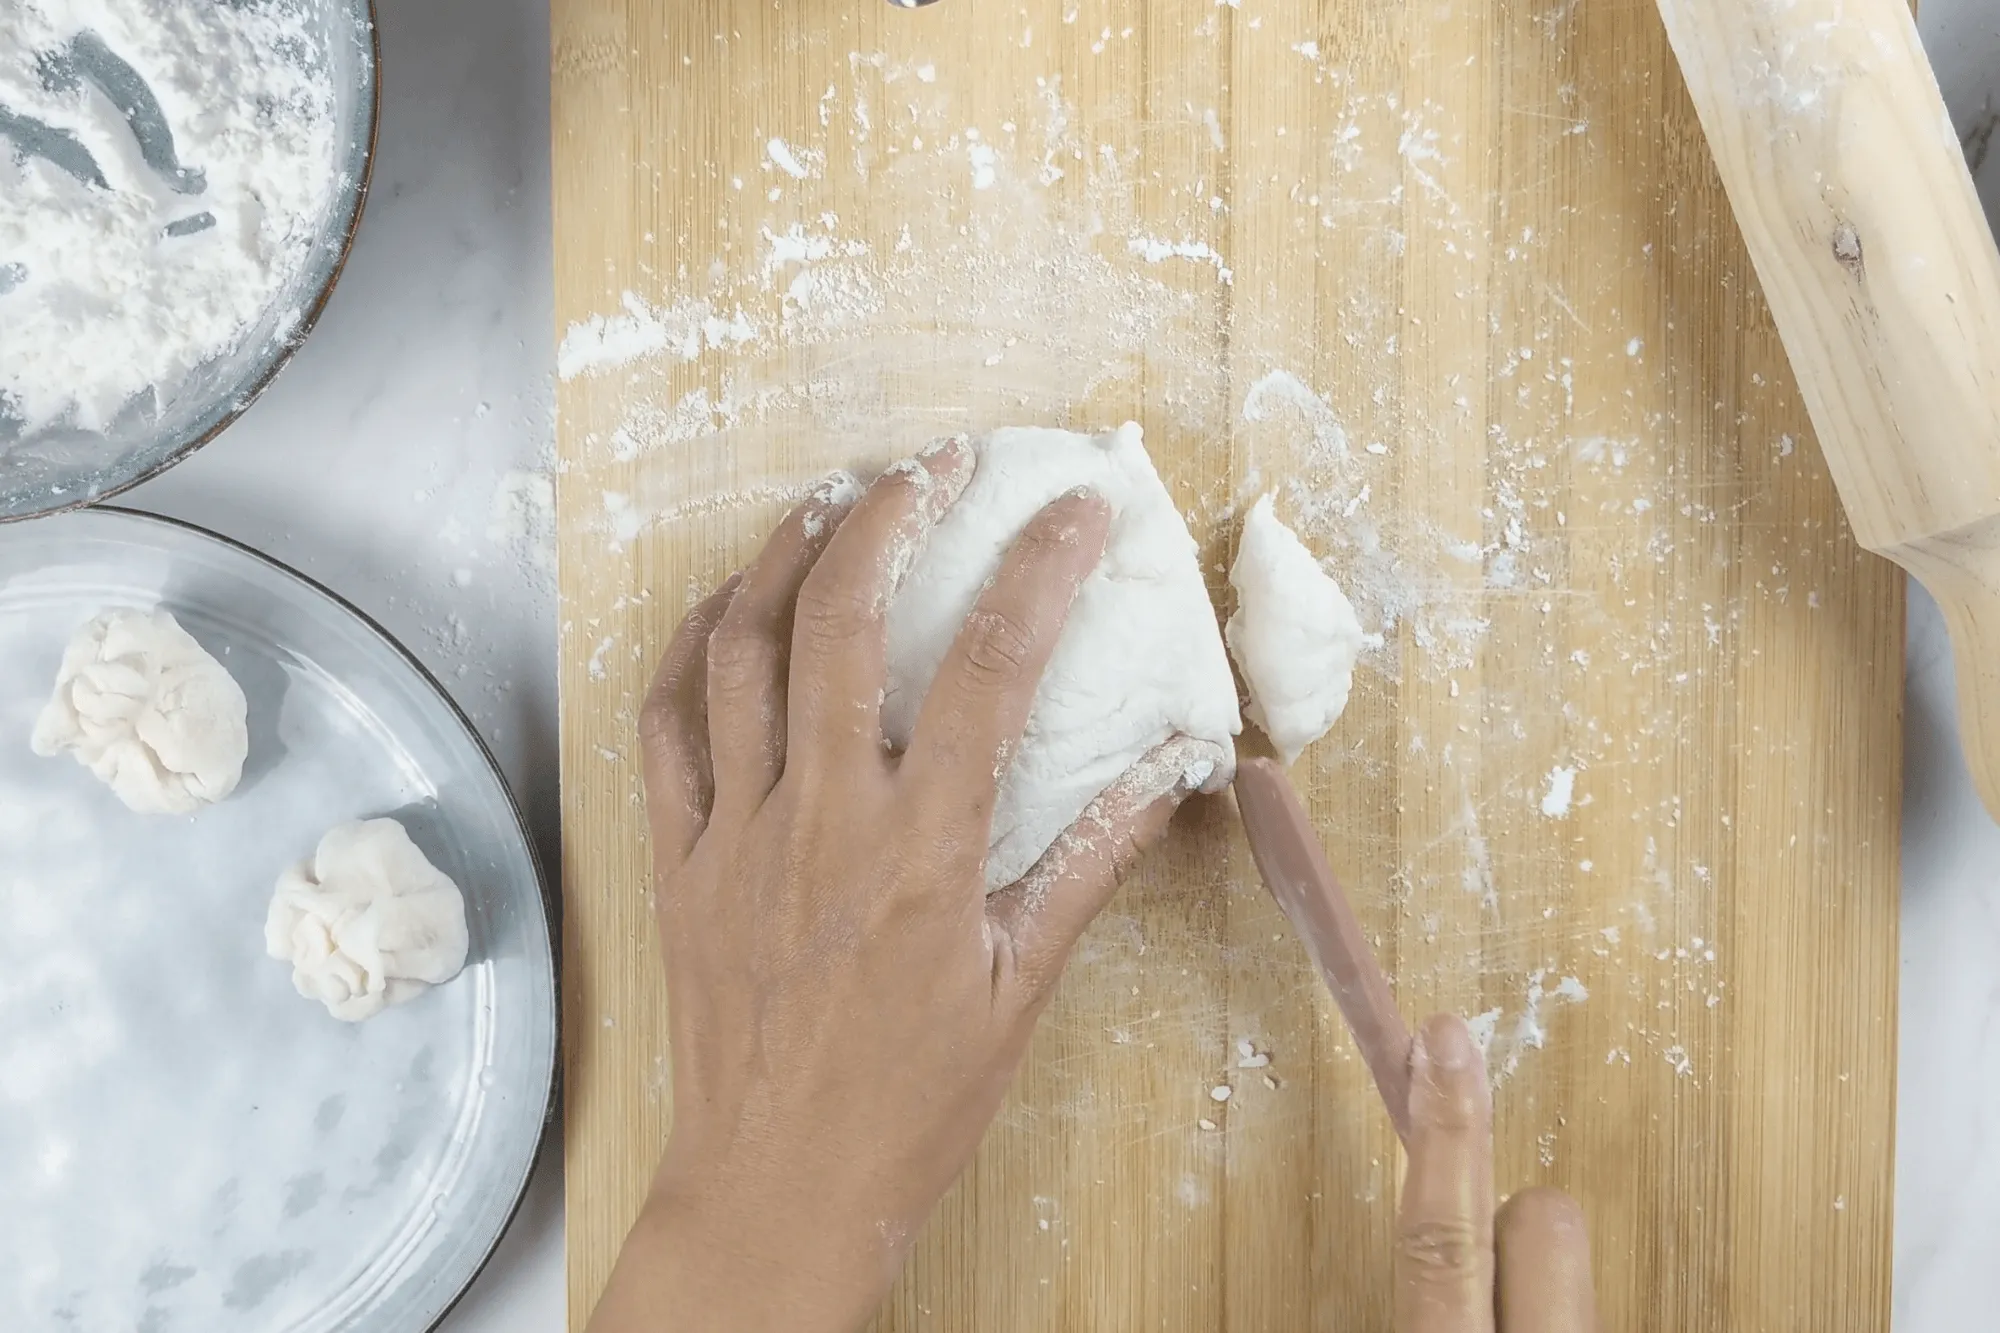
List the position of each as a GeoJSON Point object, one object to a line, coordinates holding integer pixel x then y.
{"type": "Point", "coordinates": [1458, 282]}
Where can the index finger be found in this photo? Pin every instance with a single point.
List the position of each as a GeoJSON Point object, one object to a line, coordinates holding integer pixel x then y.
{"type": "Point", "coordinates": [1444, 1242]}
{"type": "Point", "coordinates": [1543, 1248]}
{"type": "Point", "coordinates": [978, 704]}
{"type": "Point", "coordinates": [840, 634]}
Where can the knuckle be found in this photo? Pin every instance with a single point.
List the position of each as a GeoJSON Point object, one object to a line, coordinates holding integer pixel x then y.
{"type": "Point", "coordinates": [998, 648]}
{"type": "Point", "coordinates": [1451, 1101]}
{"type": "Point", "coordinates": [657, 725]}
{"type": "Point", "coordinates": [1131, 849]}
{"type": "Point", "coordinates": [669, 690]}
{"type": "Point", "coordinates": [739, 661]}
{"type": "Point", "coordinates": [830, 613]}
{"type": "Point", "coordinates": [1441, 1248]}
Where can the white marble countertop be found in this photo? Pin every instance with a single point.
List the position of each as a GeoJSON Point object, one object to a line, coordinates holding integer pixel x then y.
{"type": "Point", "coordinates": [374, 462]}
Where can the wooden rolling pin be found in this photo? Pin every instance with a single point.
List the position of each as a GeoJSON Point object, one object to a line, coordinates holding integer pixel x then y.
{"type": "Point", "coordinates": [1289, 857]}
{"type": "Point", "coordinates": [1853, 195]}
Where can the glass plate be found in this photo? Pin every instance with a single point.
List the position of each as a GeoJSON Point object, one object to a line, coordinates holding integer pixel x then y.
{"type": "Point", "coordinates": [185, 1142]}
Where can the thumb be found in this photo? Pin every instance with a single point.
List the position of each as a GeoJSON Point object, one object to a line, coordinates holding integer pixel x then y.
{"type": "Point", "coordinates": [1444, 1242]}
{"type": "Point", "coordinates": [1047, 909]}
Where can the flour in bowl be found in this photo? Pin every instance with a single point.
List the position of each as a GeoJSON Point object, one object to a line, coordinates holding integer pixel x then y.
{"type": "Point", "coordinates": [163, 172]}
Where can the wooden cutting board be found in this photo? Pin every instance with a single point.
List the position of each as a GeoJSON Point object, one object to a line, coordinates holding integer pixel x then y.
{"type": "Point", "coordinates": [1458, 282]}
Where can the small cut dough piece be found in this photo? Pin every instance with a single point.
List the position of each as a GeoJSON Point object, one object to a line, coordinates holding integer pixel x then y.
{"type": "Point", "coordinates": [1140, 660]}
{"type": "Point", "coordinates": [145, 708]}
{"type": "Point", "coordinates": [368, 922]}
{"type": "Point", "coordinates": [1294, 634]}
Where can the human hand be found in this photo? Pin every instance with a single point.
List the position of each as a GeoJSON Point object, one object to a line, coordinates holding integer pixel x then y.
{"type": "Point", "coordinates": [1460, 1269]}
{"type": "Point", "coordinates": [847, 1004]}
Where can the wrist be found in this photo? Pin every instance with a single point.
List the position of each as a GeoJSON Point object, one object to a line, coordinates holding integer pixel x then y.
{"type": "Point", "coordinates": [710, 1258]}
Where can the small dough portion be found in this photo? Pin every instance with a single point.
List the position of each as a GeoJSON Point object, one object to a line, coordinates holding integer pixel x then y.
{"type": "Point", "coordinates": [1294, 634]}
{"type": "Point", "coordinates": [1140, 659]}
{"type": "Point", "coordinates": [368, 922]}
{"type": "Point", "coordinates": [149, 711]}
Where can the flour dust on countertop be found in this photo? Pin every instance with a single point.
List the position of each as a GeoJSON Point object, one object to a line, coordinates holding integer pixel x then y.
{"type": "Point", "coordinates": [1013, 268]}
{"type": "Point", "coordinates": [164, 170]}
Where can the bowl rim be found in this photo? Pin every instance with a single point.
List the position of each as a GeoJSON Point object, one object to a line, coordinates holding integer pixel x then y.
{"type": "Point", "coordinates": [289, 345]}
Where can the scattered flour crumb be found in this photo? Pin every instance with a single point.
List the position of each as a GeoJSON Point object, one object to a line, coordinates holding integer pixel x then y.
{"type": "Point", "coordinates": [791, 161]}
{"type": "Point", "coordinates": [1279, 391]}
{"type": "Point", "coordinates": [606, 342]}
{"type": "Point", "coordinates": [1249, 1057]}
{"type": "Point", "coordinates": [1504, 1048]}
{"type": "Point", "coordinates": [522, 518]}
{"type": "Point", "coordinates": [985, 165]}
{"type": "Point", "coordinates": [1562, 786]}
{"type": "Point", "coordinates": [1483, 1027]}
{"type": "Point", "coordinates": [1156, 251]}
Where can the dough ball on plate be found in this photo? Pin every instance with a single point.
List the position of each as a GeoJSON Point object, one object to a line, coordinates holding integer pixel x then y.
{"type": "Point", "coordinates": [149, 711]}
{"type": "Point", "coordinates": [368, 922]}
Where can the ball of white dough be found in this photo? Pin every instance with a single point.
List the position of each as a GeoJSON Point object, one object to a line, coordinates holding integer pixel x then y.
{"type": "Point", "coordinates": [368, 922]}
{"type": "Point", "coordinates": [1140, 660]}
{"type": "Point", "coordinates": [1294, 634]}
{"type": "Point", "coordinates": [145, 708]}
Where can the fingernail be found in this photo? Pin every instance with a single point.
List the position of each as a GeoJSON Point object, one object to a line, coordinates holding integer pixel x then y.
{"type": "Point", "coordinates": [936, 447]}
{"type": "Point", "coordinates": [1083, 502]}
{"type": "Point", "coordinates": [1446, 1043]}
{"type": "Point", "coordinates": [1198, 760]}
{"type": "Point", "coordinates": [1196, 775]}
{"type": "Point", "coordinates": [732, 583]}
{"type": "Point", "coordinates": [837, 489]}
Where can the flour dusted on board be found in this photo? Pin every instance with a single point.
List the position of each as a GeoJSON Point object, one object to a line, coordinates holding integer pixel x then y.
{"type": "Point", "coordinates": [125, 268]}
